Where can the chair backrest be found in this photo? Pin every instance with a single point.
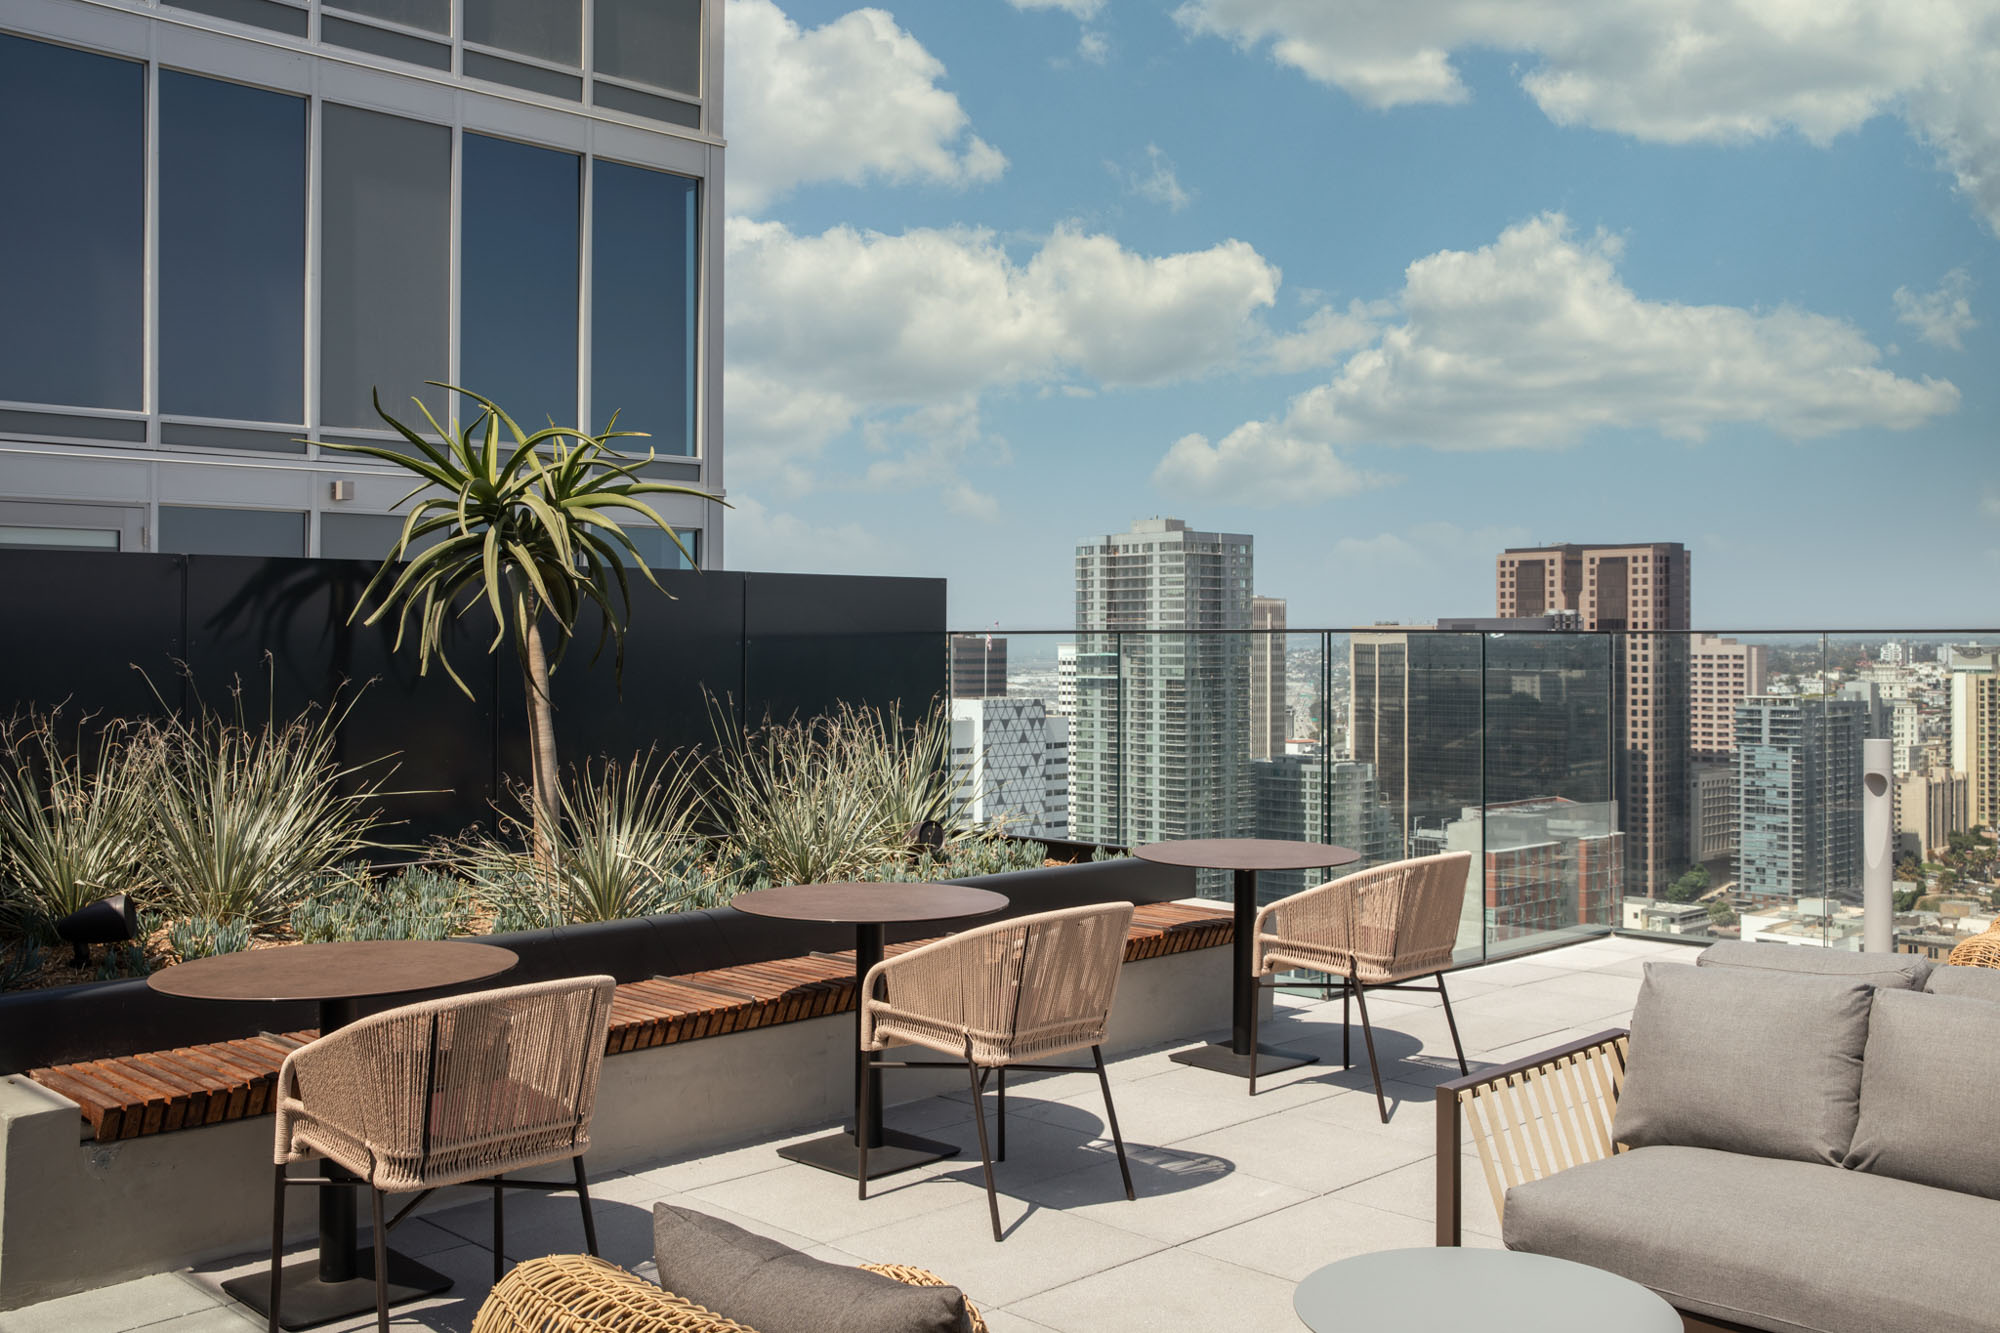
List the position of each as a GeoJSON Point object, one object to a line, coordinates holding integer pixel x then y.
{"type": "Point", "coordinates": [463, 1087]}
{"type": "Point", "coordinates": [1403, 917]}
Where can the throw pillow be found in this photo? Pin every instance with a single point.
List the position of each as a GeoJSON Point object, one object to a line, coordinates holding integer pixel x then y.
{"type": "Point", "coordinates": [1901, 970]}
{"type": "Point", "coordinates": [1743, 1060]}
{"type": "Point", "coordinates": [1927, 1088]}
{"type": "Point", "coordinates": [1975, 983]}
{"type": "Point", "coordinates": [773, 1288]}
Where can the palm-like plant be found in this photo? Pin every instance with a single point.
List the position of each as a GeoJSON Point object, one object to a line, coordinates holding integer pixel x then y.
{"type": "Point", "coordinates": [525, 523]}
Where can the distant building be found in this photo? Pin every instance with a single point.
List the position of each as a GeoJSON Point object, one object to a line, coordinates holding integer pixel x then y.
{"type": "Point", "coordinates": [1930, 807]}
{"type": "Point", "coordinates": [1012, 764]}
{"type": "Point", "coordinates": [1267, 677]}
{"type": "Point", "coordinates": [1721, 674]}
{"type": "Point", "coordinates": [1975, 730]}
{"type": "Point", "coordinates": [1640, 591]}
{"type": "Point", "coordinates": [1712, 807]}
{"type": "Point", "coordinates": [1303, 797]}
{"type": "Point", "coordinates": [1665, 918]}
{"type": "Point", "coordinates": [1798, 792]}
{"type": "Point", "coordinates": [978, 666]}
{"type": "Point", "coordinates": [1549, 864]}
{"type": "Point", "coordinates": [1819, 923]}
{"type": "Point", "coordinates": [1065, 680]}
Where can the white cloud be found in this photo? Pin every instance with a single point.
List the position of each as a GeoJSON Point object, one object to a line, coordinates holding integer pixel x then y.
{"type": "Point", "coordinates": [1082, 9]}
{"type": "Point", "coordinates": [1260, 464]}
{"type": "Point", "coordinates": [904, 335]}
{"type": "Point", "coordinates": [1534, 341]}
{"type": "Point", "coordinates": [1324, 336]}
{"type": "Point", "coordinates": [1667, 70]}
{"type": "Point", "coordinates": [763, 538]}
{"type": "Point", "coordinates": [1941, 316]}
{"type": "Point", "coordinates": [1153, 181]}
{"type": "Point", "coordinates": [1093, 46]}
{"type": "Point", "coordinates": [854, 100]}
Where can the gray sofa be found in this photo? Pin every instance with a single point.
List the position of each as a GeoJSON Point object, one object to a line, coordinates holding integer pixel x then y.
{"type": "Point", "coordinates": [1789, 1139]}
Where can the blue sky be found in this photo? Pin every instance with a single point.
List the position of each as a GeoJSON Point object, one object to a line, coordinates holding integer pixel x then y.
{"type": "Point", "coordinates": [1389, 286]}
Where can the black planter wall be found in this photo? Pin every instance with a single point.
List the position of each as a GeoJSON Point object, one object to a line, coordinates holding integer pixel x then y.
{"type": "Point", "coordinates": [90, 630]}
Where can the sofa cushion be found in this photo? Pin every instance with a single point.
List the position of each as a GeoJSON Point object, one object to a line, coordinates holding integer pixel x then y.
{"type": "Point", "coordinates": [1928, 1080]}
{"type": "Point", "coordinates": [1786, 1246]}
{"type": "Point", "coordinates": [1745, 1061]}
{"type": "Point", "coordinates": [772, 1288]}
{"type": "Point", "coordinates": [1900, 970]}
{"type": "Point", "coordinates": [1978, 983]}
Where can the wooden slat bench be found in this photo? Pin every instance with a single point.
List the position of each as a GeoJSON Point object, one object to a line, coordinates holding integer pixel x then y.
{"type": "Point", "coordinates": [157, 1092]}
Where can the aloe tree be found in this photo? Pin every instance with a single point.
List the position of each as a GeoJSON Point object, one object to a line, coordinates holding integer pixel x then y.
{"type": "Point", "coordinates": [524, 522]}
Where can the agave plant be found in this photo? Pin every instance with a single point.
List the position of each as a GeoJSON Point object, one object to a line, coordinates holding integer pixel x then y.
{"type": "Point", "coordinates": [626, 846]}
{"type": "Point", "coordinates": [248, 821]}
{"type": "Point", "coordinates": [530, 524]}
{"type": "Point", "coordinates": [71, 831]}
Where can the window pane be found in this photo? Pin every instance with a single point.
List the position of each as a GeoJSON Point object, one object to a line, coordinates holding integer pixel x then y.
{"type": "Point", "coordinates": [74, 539]}
{"type": "Point", "coordinates": [186, 530]}
{"type": "Point", "coordinates": [72, 239]}
{"type": "Point", "coordinates": [385, 225]}
{"type": "Point", "coordinates": [655, 42]}
{"type": "Point", "coordinates": [655, 547]}
{"type": "Point", "coordinates": [430, 15]}
{"type": "Point", "coordinates": [550, 29]}
{"type": "Point", "coordinates": [232, 250]}
{"type": "Point", "coordinates": [518, 291]}
{"type": "Point", "coordinates": [364, 536]}
{"type": "Point", "coordinates": [643, 235]}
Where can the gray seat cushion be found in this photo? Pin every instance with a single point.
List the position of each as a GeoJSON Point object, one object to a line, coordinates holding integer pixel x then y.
{"type": "Point", "coordinates": [1745, 1061]}
{"type": "Point", "coordinates": [1786, 1246]}
{"type": "Point", "coordinates": [772, 1288]}
{"type": "Point", "coordinates": [1929, 1082]}
{"type": "Point", "coordinates": [1900, 970]}
{"type": "Point", "coordinates": [1978, 983]}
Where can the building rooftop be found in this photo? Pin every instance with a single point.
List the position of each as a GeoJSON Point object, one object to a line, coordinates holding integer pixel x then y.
{"type": "Point", "coordinates": [1239, 1197]}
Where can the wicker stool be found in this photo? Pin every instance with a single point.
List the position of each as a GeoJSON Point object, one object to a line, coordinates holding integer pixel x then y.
{"type": "Point", "coordinates": [1979, 951]}
{"type": "Point", "coordinates": [575, 1293]}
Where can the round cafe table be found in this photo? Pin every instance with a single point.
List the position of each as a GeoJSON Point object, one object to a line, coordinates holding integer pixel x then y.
{"type": "Point", "coordinates": [868, 908]}
{"type": "Point", "coordinates": [1244, 856]}
{"type": "Point", "coordinates": [339, 975]}
{"type": "Point", "coordinates": [1447, 1290]}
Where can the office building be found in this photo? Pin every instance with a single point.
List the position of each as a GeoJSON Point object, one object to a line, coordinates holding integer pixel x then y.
{"type": "Point", "coordinates": [1267, 677]}
{"type": "Point", "coordinates": [1711, 812]}
{"type": "Point", "coordinates": [231, 223]}
{"type": "Point", "coordinates": [978, 666]}
{"type": "Point", "coordinates": [1161, 738]}
{"type": "Point", "coordinates": [1798, 794]}
{"type": "Point", "coordinates": [1974, 684]}
{"type": "Point", "coordinates": [1066, 680]}
{"type": "Point", "coordinates": [1549, 864]}
{"type": "Point", "coordinates": [1012, 763]}
{"type": "Point", "coordinates": [1930, 807]}
{"type": "Point", "coordinates": [1304, 796]}
{"type": "Point", "coordinates": [1721, 674]}
{"type": "Point", "coordinates": [1640, 593]}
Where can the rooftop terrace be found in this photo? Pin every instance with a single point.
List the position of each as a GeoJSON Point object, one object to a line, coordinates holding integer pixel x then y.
{"type": "Point", "coordinates": [1239, 1197]}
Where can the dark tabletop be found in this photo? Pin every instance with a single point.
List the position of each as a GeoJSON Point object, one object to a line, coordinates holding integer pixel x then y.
{"type": "Point", "coordinates": [870, 904]}
{"type": "Point", "coordinates": [1247, 854]}
{"type": "Point", "coordinates": [341, 970]}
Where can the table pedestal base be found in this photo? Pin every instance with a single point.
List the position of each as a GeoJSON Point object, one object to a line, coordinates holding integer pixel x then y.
{"type": "Point", "coordinates": [899, 1152]}
{"type": "Point", "coordinates": [308, 1301]}
{"type": "Point", "coordinates": [1221, 1057]}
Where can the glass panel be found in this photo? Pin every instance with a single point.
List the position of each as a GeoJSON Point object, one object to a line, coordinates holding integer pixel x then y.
{"type": "Point", "coordinates": [1009, 737]}
{"type": "Point", "coordinates": [546, 29]}
{"type": "Point", "coordinates": [383, 42]}
{"type": "Point", "coordinates": [643, 230]}
{"type": "Point", "coordinates": [232, 250]}
{"type": "Point", "coordinates": [63, 425]}
{"type": "Point", "coordinates": [72, 243]}
{"type": "Point", "coordinates": [191, 531]}
{"type": "Point", "coordinates": [258, 13]}
{"type": "Point", "coordinates": [617, 97]}
{"type": "Point", "coordinates": [430, 15]}
{"type": "Point", "coordinates": [533, 78]}
{"type": "Point", "coordinates": [519, 251]}
{"type": "Point", "coordinates": [345, 536]}
{"type": "Point", "coordinates": [1096, 808]}
{"type": "Point", "coordinates": [656, 548]}
{"type": "Point", "coordinates": [385, 218]}
{"type": "Point", "coordinates": [201, 436]}
{"type": "Point", "coordinates": [654, 42]}
{"type": "Point", "coordinates": [75, 539]}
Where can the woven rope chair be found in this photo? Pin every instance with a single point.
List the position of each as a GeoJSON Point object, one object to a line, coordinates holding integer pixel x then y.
{"type": "Point", "coordinates": [457, 1091]}
{"type": "Point", "coordinates": [1979, 951]}
{"type": "Point", "coordinates": [1378, 929]}
{"type": "Point", "coordinates": [575, 1293]}
{"type": "Point", "coordinates": [999, 997]}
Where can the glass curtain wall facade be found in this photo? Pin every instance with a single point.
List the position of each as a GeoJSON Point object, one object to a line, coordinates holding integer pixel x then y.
{"type": "Point", "coordinates": [234, 223]}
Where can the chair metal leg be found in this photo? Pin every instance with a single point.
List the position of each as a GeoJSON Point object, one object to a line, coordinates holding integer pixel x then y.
{"type": "Point", "coordinates": [1000, 1100]}
{"type": "Point", "coordinates": [1346, 993]}
{"type": "Point", "coordinates": [277, 1243]}
{"type": "Point", "coordinates": [583, 1197]}
{"type": "Point", "coordinates": [381, 1262]}
{"type": "Point", "coordinates": [861, 1114]}
{"type": "Point", "coordinates": [1368, 1035]}
{"type": "Point", "coordinates": [499, 1229]}
{"type": "Point", "coordinates": [985, 1153]}
{"type": "Point", "coordinates": [1452, 1023]}
{"type": "Point", "coordinates": [1111, 1118]}
{"type": "Point", "coordinates": [1256, 1009]}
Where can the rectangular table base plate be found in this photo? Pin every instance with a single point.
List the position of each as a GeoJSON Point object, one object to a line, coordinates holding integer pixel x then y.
{"type": "Point", "coordinates": [307, 1302]}
{"type": "Point", "coordinates": [899, 1152]}
{"type": "Point", "coordinates": [1221, 1057]}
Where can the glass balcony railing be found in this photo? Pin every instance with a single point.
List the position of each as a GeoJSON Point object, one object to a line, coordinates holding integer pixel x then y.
{"type": "Point", "coordinates": [1691, 785]}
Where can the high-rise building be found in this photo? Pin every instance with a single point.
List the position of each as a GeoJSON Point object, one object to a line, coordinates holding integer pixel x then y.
{"type": "Point", "coordinates": [1639, 592]}
{"type": "Point", "coordinates": [231, 223]}
{"type": "Point", "coordinates": [1798, 795]}
{"type": "Point", "coordinates": [1545, 865]}
{"type": "Point", "coordinates": [1721, 674]}
{"type": "Point", "coordinates": [1267, 677]}
{"type": "Point", "coordinates": [1012, 764]}
{"type": "Point", "coordinates": [1975, 729]}
{"type": "Point", "coordinates": [1308, 797]}
{"type": "Point", "coordinates": [1065, 680]}
{"type": "Point", "coordinates": [1712, 811]}
{"type": "Point", "coordinates": [1930, 807]}
{"type": "Point", "coordinates": [1162, 729]}
{"type": "Point", "coordinates": [978, 666]}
